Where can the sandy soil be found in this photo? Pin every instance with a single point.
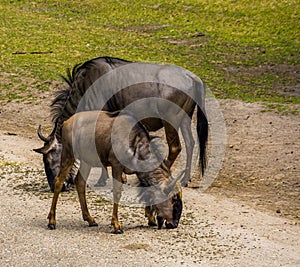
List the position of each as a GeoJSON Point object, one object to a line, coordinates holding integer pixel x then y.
{"type": "Point", "coordinates": [248, 217]}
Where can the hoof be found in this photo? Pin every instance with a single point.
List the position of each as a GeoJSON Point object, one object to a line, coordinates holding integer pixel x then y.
{"type": "Point", "coordinates": [94, 224]}
{"type": "Point", "coordinates": [118, 232]}
{"type": "Point", "coordinates": [51, 226]}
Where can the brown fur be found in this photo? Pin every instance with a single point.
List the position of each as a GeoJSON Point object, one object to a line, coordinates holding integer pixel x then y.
{"type": "Point", "coordinates": [86, 130]}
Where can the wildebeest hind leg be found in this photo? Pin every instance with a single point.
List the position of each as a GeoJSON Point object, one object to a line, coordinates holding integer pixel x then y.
{"type": "Point", "coordinates": [80, 182]}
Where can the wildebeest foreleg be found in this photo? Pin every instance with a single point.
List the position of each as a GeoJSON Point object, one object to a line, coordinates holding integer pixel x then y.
{"type": "Point", "coordinates": [59, 182]}
{"type": "Point", "coordinates": [80, 182]}
{"type": "Point", "coordinates": [117, 190]}
{"type": "Point", "coordinates": [173, 143]}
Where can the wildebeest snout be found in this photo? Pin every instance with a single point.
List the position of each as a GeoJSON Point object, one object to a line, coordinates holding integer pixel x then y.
{"type": "Point", "coordinates": [169, 223]}
{"type": "Point", "coordinates": [172, 224]}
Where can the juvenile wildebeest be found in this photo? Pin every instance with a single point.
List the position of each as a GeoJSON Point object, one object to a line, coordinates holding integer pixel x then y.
{"type": "Point", "coordinates": [141, 81]}
{"type": "Point", "coordinates": [92, 137]}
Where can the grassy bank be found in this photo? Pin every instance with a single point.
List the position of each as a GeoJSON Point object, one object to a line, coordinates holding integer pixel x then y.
{"type": "Point", "coordinates": [248, 50]}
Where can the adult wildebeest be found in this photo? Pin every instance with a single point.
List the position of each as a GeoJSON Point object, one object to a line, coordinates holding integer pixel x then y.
{"type": "Point", "coordinates": [93, 137]}
{"type": "Point", "coordinates": [111, 84]}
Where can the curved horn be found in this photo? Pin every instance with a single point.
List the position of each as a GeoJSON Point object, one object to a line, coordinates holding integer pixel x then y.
{"type": "Point", "coordinates": [173, 182]}
{"type": "Point", "coordinates": [47, 139]}
{"type": "Point", "coordinates": [43, 138]}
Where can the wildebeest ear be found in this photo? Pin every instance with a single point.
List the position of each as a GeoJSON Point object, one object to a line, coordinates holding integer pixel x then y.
{"type": "Point", "coordinates": [40, 150]}
{"type": "Point", "coordinates": [174, 183]}
{"type": "Point", "coordinates": [43, 150]}
{"type": "Point", "coordinates": [53, 145]}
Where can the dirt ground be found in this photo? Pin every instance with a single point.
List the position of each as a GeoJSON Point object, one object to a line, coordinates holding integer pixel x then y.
{"type": "Point", "coordinates": [248, 217]}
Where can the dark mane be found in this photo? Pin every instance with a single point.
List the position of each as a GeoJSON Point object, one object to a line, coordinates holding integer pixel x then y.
{"type": "Point", "coordinates": [79, 79]}
{"type": "Point", "coordinates": [113, 60]}
{"type": "Point", "coordinates": [62, 96]}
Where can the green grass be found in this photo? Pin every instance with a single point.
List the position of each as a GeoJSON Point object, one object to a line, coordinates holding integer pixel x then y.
{"type": "Point", "coordinates": [248, 50]}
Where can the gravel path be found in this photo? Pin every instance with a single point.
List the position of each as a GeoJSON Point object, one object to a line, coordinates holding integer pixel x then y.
{"type": "Point", "coordinates": [214, 230]}
{"type": "Point", "coordinates": [234, 223]}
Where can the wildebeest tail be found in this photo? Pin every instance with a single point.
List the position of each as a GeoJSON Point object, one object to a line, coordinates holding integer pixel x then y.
{"type": "Point", "coordinates": [202, 132]}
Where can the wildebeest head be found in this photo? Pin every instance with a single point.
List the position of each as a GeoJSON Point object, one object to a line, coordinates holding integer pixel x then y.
{"type": "Point", "coordinates": [177, 208]}
{"type": "Point", "coordinates": [169, 212]}
{"type": "Point", "coordinates": [174, 191]}
{"type": "Point", "coordinates": [165, 199]}
{"type": "Point", "coordinates": [51, 152]}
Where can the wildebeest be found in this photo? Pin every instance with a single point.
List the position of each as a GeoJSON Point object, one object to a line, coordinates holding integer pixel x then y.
{"type": "Point", "coordinates": [89, 136]}
{"type": "Point", "coordinates": [142, 81]}
{"type": "Point", "coordinates": [51, 152]}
